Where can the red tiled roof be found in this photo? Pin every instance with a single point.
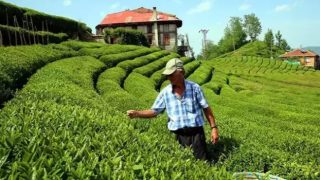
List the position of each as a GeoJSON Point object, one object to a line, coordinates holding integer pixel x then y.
{"type": "Point", "coordinates": [298, 52]}
{"type": "Point", "coordinates": [137, 15]}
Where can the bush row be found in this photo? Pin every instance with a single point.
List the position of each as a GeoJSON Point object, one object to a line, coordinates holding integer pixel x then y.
{"type": "Point", "coordinates": [109, 87]}
{"type": "Point", "coordinates": [58, 127]}
{"type": "Point", "coordinates": [150, 68]}
{"type": "Point", "coordinates": [201, 75]}
{"type": "Point", "coordinates": [77, 45]}
{"type": "Point", "coordinates": [113, 59]}
{"type": "Point", "coordinates": [127, 36]}
{"type": "Point", "coordinates": [141, 87]}
{"type": "Point", "coordinates": [159, 78]}
{"type": "Point", "coordinates": [25, 37]}
{"type": "Point", "coordinates": [108, 49]}
{"type": "Point", "coordinates": [56, 24]}
{"type": "Point", "coordinates": [18, 63]}
{"type": "Point", "coordinates": [129, 65]}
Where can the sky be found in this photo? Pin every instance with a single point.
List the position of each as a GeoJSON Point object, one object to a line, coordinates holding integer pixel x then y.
{"type": "Point", "coordinates": [297, 20]}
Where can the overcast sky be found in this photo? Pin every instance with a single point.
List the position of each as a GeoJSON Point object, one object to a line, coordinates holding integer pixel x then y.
{"type": "Point", "coordinates": [298, 20]}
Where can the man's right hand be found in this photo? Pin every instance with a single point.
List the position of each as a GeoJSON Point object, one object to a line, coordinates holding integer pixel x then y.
{"type": "Point", "coordinates": [132, 113]}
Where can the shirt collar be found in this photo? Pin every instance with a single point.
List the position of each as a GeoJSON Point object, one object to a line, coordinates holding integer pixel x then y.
{"type": "Point", "coordinates": [187, 85]}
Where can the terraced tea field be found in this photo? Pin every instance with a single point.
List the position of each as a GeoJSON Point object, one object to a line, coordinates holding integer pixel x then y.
{"type": "Point", "coordinates": [68, 119]}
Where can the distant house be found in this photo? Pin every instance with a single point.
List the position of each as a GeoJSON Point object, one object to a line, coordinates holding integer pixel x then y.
{"type": "Point", "coordinates": [160, 28]}
{"type": "Point", "coordinates": [305, 57]}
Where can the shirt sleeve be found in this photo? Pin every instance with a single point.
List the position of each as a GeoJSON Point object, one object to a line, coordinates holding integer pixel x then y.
{"type": "Point", "coordinates": [159, 106]}
{"type": "Point", "coordinates": [201, 98]}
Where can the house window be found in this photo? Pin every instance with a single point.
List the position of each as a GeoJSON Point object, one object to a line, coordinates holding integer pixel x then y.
{"type": "Point", "coordinates": [149, 30]}
{"type": "Point", "coordinates": [167, 39]}
{"type": "Point", "coordinates": [166, 28]}
{"type": "Point", "coordinates": [307, 59]}
{"type": "Point", "coordinates": [134, 27]}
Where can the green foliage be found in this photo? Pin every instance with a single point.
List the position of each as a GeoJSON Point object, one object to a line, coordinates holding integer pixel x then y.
{"type": "Point", "coordinates": [39, 36]}
{"type": "Point", "coordinates": [256, 48]}
{"type": "Point", "coordinates": [201, 75]}
{"type": "Point", "coordinates": [77, 45]}
{"type": "Point", "coordinates": [18, 63]}
{"type": "Point", "coordinates": [108, 50]}
{"type": "Point", "coordinates": [127, 36]}
{"type": "Point", "coordinates": [141, 87]}
{"type": "Point", "coordinates": [150, 68]}
{"type": "Point", "coordinates": [130, 65]}
{"type": "Point", "coordinates": [56, 24]}
{"type": "Point", "coordinates": [269, 38]}
{"type": "Point", "coordinates": [109, 86]}
{"type": "Point", "coordinates": [112, 60]}
{"type": "Point", "coordinates": [252, 26]}
{"type": "Point", "coordinates": [284, 45]}
{"type": "Point", "coordinates": [279, 38]}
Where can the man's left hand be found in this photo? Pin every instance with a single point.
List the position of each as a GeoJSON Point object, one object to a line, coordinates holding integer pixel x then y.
{"type": "Point", "coordinates": [214, 135]}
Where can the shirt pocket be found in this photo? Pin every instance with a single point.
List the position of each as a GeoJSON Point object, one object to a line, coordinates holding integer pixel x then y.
{"type": "Point", "coordinates": [190, 105]}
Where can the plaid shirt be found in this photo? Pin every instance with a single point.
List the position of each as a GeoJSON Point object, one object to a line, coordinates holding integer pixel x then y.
{"type": "Point", "coordinates": [184, 112]}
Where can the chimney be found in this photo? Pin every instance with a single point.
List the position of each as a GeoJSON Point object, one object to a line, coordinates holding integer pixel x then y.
{"type": "Point", "coordinates": [154, 17]}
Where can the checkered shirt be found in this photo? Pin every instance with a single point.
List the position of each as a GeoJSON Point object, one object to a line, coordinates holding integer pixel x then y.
{"type": "Point", "coordinates": [184, 112]}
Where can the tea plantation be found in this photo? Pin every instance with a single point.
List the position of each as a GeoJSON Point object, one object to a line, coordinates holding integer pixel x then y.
{"type": "Point", "coordinates": [64, 115]}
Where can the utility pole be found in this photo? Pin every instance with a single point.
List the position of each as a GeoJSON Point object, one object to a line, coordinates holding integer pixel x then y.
{"type": "Point", "coordinates": [204, 42]}
{"type": "Point", "coordinates": [271, 49]}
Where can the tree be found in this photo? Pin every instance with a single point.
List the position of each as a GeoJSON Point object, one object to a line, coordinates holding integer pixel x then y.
{"type": "Point", "coordinates": [236, 32]}
{"type": "Point", "coordinates": [252, 26]}
{"type": "Point", "coordinates": [284, 45]}
{"type": "Point", "coordinates": [278, 38]}
{"type": "Point", "coordinates": [268, 38]}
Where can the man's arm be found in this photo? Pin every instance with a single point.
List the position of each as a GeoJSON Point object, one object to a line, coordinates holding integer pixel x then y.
{"type": "Point", "coordinates": [142, 114]}
{"type": "Point", "coordinates": [209, 116]}
{"type": "Point", "coordinates": [214, 134]}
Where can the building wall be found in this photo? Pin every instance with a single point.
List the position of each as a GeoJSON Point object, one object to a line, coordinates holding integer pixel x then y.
{"type": "Point", "coordinates": [304, 59]}
{"type": "Point", "coordinates": [169, 29]}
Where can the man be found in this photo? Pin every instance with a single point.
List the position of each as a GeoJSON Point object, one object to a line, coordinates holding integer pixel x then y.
{"type": "Point", "coordinates": [183, 101]}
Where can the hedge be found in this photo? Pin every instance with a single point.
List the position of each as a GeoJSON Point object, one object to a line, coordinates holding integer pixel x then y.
{"type": "Point", "coordinates": [112, 60]}
{"type": "Point", "coordinates": [109, 86]}
{"type": "Point", "coordinates": [150, 68]}
{"type": "Point", "coordinates": [18, 63]}
{"type": "Point", "coordinates": [141, 87]}
{"type": "Point", "coordinates": [202, 75]}
{"type": "Point", "coordinates": [56, 24]}
{"type": "Point", "coordinates": [77, 45]}
{"type": "Point", "coordinates": [127, 36]}
{"type": "Point", "coordinates": [58, 127]}
{"type": "Point", "coordinates": [107, 49]}
{"type": "Point", "coordinates": [39, 36]}
{"type": "Point", "coordinates": [129, 65]}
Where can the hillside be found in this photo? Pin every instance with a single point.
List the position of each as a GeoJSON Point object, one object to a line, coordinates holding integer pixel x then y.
{"type": "Point", "coordinates": [315, 49]}
{"type": "Point", "coordinates": [256, 48]}
{"type": "Point", "coordinates": [68, 119]}
{"type": "Point", "coordinates": [34, 27]}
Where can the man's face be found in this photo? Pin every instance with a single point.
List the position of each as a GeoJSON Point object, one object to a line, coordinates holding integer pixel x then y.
{"type": "Point", "coordinates": [175, 77]}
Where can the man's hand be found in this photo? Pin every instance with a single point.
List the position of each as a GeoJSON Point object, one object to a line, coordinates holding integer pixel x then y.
{"type": "Point", "coordinates": [214, 135]}
{"type": "Point", "coordinates": [132, 113]}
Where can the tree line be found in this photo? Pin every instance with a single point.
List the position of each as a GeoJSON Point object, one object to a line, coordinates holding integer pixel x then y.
{"type": "Point", "coordinates": [240, 31]}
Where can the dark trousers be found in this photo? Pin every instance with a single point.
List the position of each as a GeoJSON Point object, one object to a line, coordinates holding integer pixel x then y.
{"type": "Point", "coordinates": [194, 137]}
